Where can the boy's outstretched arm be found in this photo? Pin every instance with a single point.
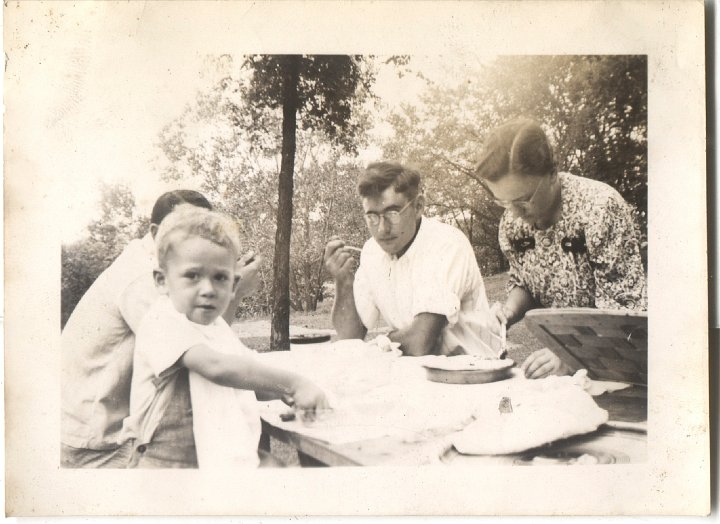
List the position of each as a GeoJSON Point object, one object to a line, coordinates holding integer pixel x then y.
{"type": "Point", "coordinates": [243, 372]}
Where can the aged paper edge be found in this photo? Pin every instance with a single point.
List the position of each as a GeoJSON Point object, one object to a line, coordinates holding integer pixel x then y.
{"type": "Point", "coordinates": [675, 478]}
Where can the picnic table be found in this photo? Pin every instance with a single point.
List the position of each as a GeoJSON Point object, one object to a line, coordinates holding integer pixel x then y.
{"type": "Point", "coordinates": [398, 417]}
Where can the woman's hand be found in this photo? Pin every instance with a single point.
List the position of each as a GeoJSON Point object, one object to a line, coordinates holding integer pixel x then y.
{"type": "Point", "coordinates": [499, 315]}
{"type": "Point", "coordinates": [543, 363]}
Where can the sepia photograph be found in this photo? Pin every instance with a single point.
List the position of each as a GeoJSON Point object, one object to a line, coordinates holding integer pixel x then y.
{"type": "Point", "coordinates": [293, 269]}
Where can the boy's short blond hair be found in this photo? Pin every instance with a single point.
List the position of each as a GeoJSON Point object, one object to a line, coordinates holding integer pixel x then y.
{"type": "Point", "coordinates": [187, 221]}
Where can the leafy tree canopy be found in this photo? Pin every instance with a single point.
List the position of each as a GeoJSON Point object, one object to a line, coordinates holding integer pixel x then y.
{"type": "Point", "coordinates": [594, 108]}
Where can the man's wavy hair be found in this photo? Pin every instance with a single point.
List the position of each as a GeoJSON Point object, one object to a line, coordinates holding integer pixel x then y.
{"type": "Point", "coordinates": [379, 176]}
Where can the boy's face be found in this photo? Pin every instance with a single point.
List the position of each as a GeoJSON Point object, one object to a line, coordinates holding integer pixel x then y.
{"type": "Point", "coordinates": [199, 278]}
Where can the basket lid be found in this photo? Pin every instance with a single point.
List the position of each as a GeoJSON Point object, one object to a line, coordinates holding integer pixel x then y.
{"type": "Point", "coordinates": [610, 344]}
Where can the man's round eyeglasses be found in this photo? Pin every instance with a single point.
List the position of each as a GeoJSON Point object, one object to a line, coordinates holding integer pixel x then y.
{"type": "Point", "coordinates": [392, 216]}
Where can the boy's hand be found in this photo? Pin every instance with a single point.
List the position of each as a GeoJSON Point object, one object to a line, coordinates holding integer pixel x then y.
{"type": "Point", "coordinates": [308, 397]}
{"type": "Point", "coordinates": [248, 269]}
{"type": "Point", "coordinates": [543, 363]}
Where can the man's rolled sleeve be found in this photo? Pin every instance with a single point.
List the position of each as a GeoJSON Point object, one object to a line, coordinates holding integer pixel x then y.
{"type": "Point", "coordinates": [441, 282]}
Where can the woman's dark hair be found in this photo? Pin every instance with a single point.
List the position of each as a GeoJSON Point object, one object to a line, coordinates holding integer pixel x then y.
{"type": "Point", "coordinates": [379, 176]}
{"type": "Point", "coordinates": [520, 146]}
{"type": "Point", "coordinates": [167, 202]}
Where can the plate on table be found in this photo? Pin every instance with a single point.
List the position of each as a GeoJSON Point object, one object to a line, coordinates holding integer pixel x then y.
{"type": "Point", "coordinates": [309, 338]}
{"type": "Point", "coordinates": [468, 369]}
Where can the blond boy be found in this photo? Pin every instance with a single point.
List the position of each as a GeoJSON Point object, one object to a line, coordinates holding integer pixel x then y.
{"type": "Point", "coordinates": [184, 332]}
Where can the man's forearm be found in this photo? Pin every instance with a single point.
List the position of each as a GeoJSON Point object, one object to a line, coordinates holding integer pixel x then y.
{"type": "Point", "coordinates": [345, 317]}
{"type": "Point", "coordinates": [411, 344]}
{"type": "Point", "coordinates": [422, 337]}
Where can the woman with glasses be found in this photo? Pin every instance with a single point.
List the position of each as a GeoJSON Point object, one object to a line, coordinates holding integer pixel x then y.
{"type": "Point", "coordinates": [418, 274]}
{"type": "Point", "coordinates": [571, 241]}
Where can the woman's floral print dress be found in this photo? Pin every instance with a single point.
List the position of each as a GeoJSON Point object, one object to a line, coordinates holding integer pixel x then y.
{"type": "Point", "coordinates": [589, 258]}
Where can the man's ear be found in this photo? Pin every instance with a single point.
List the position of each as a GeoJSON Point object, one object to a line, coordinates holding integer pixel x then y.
{"type": "Point", "coordinates": [159, 277]}
{"type": "Point", "coordinates": [419, 205]}
{"type": "Point", "coordinates": [153, 230]}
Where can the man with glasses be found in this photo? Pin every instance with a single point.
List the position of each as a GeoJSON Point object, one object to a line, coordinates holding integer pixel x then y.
{"type": "Point", "coordinates": [418, 274]}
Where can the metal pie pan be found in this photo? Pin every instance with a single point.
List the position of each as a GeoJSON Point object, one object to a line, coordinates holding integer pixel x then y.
{"type": "Point", "coordinates": [468, 376]}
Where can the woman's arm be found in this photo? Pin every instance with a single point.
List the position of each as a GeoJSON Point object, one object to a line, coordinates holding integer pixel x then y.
{"type": "Point", "coordinates": [613, 243]}
{"type": "Point", "coordinates": [518, 302]}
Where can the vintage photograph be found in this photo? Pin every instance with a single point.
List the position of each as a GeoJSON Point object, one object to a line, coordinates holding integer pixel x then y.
{"type": "Point", "coordinates": [314, 266]}
{"type": "Point", "coordinates": [416, 183]}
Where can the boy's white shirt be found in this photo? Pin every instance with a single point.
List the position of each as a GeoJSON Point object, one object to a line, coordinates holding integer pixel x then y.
{"type": "Point", "coordinates": [226, 421]}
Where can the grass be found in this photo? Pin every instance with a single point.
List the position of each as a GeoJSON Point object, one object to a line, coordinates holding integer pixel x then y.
{"type": "Point", "coordinates": [520, 344]}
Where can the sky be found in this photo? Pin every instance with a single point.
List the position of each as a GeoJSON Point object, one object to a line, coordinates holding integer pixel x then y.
{"type": "Point", "coordinates": [119, 136]}
{"type": "Point", "coordinates": [114, 84]}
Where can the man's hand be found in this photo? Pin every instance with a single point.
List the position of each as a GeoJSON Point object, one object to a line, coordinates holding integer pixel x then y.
{"type": "Point", "coordinates": [543, 363]}
{"type": "Point", "coordinates": [340, 264]}
{"type": "Point", "coordinates": [248, 269]}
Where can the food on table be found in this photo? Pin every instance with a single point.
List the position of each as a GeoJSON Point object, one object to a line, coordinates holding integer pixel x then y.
{"type": "Point", "coordinates": [384, 344]}
{"type": "Point", "coordinates": [505, 405]}
{"type": "Point", "coordinates": [540, 415]}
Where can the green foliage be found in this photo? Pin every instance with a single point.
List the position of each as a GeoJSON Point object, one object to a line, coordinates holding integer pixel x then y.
{"type": "Point", "coordinates": [332, 90]}
{"type": "Point", "coordinates": [84, 260]}
{"type": "Point", "coordinates": [594, 108]}
{"type": "Point", "coordinates": [230, 140]}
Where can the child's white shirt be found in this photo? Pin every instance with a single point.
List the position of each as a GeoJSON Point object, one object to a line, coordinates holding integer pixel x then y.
{"type": "Point", "coordinates": [226, 421]}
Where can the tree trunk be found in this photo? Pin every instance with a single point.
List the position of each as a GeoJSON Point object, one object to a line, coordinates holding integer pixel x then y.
{"type": "Point", "coordinates": [280, 325]}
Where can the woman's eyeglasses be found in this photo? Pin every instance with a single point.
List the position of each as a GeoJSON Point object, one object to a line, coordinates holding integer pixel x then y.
{"type": "Point", "coordinates": [392, 216]}
{"type": "Point", "coordinates": [523, 202]}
